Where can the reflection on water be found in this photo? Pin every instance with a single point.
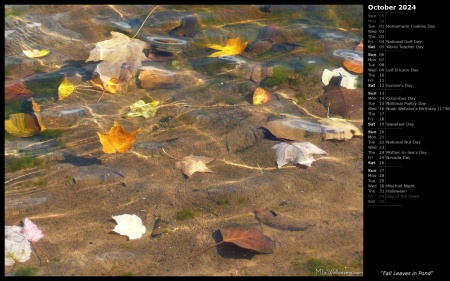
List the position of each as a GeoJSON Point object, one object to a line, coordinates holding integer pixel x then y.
{"type": "Point", "coordinates": [185, 76]}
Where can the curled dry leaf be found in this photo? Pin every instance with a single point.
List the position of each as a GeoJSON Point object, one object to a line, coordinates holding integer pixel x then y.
{"type": "Point", "coordinates": [297, 152]}
{"type": "Point", "coordinates": [191, 164]}
{"type": "Point", "coordinates": [117, 140]}
{"type": "Point", "coordinates": [233, 47]}
{"type": "Point", "coordinates": [129, 225]}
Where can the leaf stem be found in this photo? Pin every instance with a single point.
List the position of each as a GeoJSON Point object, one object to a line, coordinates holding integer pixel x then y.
{"type": "Point", "coordinates": [170, 155]}
{"type": "Point", "coordinates": [144, 22]}
{"type": "Point", "coordinates": [205, 249]}
{"type": "Point", "coordinates": [42, 252]}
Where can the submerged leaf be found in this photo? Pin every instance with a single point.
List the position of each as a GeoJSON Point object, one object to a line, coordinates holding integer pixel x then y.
{"type": "Point", "coordinates": [21, 125]}
{"type": "Point", "coordinates": [65, 89]}
{"type": "Point", "coordinates": [191, 164]}
{"type": "Point", "coordinates": [129, 225]}
{"type": "Point", "coordinates": [36, 53]}
{"type": "Point", "coordinates": [140, 108]}
{"type": "Point", "coordinates": [31, 231]}
{"type": "Point", "coordinates": [233, 47]}
{"type": "Point", "coordinates": [117, 140]}
{"type": "Point", "coordinates": [261, 96]}
{"type": "Point", "coordinates": [296, 152]}
{"type": "Point", "coordinates": [340, 100]}
{"type": "Point", "coordinates": [248, 237]}
{"type": "Point", "coordinates": [17, 247]}
{"type": "Point", "coordinates": [119, 49]}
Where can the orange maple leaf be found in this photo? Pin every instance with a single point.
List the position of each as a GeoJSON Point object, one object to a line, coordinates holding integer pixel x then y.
{"type": "Point", "coordinates": [233, 47]}
{"type": "Point", "coordinates": [117, 139]}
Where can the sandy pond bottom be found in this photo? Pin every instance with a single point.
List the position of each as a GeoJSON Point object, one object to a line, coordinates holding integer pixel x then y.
{"type": "Point", "coordinates": [73, 198]}
{"type": "Point", "coordinates": [76, 218]}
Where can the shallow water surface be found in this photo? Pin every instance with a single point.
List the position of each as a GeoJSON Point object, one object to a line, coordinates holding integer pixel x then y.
{"type": "Point", "coordinates": [193, 103]}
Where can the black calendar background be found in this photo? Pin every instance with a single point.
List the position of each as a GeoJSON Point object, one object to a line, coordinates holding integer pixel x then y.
{"type": "Point", "coordinates": [408, 237]}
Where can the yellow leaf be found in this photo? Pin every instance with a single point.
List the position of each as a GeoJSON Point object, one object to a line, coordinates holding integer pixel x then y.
{"type": "Point", "coordinates": [36, 53]}
{"type": "Point", "coordinates": [117, 140]}
{"type": "Point", "coordinates": [112, 86]}
{"type": "Point", "coordinates": [261, 96]}
{"type": "Point", "coordinates": [21, 125]}
{"type": "Point", "coordinates": [233, 47]}
{"type": "Point", "coordinates": [65, 89]}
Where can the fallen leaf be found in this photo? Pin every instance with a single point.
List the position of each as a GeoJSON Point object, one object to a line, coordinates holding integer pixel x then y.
{"type": "Point", "coordinates": [16, 90]}
{"type": "Point", "coordinates": [354, 66]}
{"type": "Point", "coordinates": [297, 152]}
{"type": "Point", "coordinates": [275, 220]}
{"type": "Point", "coordinates": [37, 113]}
{"type": "Point", "coordinates": [234, 46]}
{"type": "Point", "coordinates": [261, 96]}
{"type": "Point", "coordinates": [18, 241]}
{"type": "Point", "coordinates": [36, 53]}
{"type": "Point", "coordinates": [21, 125]}
{"type": "Point", "coordinates": [140, 108]}
{"type": "Point", "coordinates": [115, 52]}
{"type": "Point", "coordinates": [117, 140]}
{"type": "Point", "coordinates": [31, 231]}
{"type": "Point", "coordinates": [111, 86]}
{"type": "Point", "coordinates": [129, 225]}
{"type": "Point", "coordinates": [17, 247]}
{"type": "Point", "coordinates": [248, 237]}
{"type": "Point", "coordinates": [191, 164]}
{"type": "Point", "coordinates": [340, 100]}
{"type": "Point", "coordinates": [65, 89]}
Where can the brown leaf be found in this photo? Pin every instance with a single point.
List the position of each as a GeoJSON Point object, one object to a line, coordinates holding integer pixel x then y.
{"type": "Point", "coordinates": [248, 237]}
{"type": "Point", "coordinates": [191, 164]}
{"type": "Point", "coordinates": [340, 100]}
{"type": "Point", "coordinates": [117, 140]}
{"type": "Point", "coordinates": [16, 90]}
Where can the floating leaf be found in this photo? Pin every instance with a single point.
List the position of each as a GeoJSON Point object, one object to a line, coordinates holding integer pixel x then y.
{"type": "Point", "coordinates": [140, 108]}
{"type": "Point", "coordinates": [297, 152]}
{"type": "Point", "coordinates": [339, 100]}
{"type": "Point", "coordinates": [261, 96]}
{"type": "Point", "coordinates": [65, 89]}
{"type": "Point", "coordinates": [129, 225]}
{"type": "Point", "coordinates": [16, 90]}
{"type": "Point", "coordinates": [21, 125]}
{"type": "Point", "coordinates": [275, 220]}
{"type": "Point", "coordinates": [234, 46]}
{"type": "Point", "coordinates": [117, 140]}
{"type": "Point", "coordinates": [191, 164]}
{"type": "Point", "coordinates": [36, 53]}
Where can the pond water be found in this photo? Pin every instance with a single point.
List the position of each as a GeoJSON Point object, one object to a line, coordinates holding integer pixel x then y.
{"type": "Point", "coordinates": [106, 104]}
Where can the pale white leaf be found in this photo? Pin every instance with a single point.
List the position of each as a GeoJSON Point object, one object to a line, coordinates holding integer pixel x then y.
{"type": "Point", "coordinates": [296, 152]}
{"type": "Point", "coordinates": [129, 225]}
{"type": "Point", "coordinates": [17, 246]}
